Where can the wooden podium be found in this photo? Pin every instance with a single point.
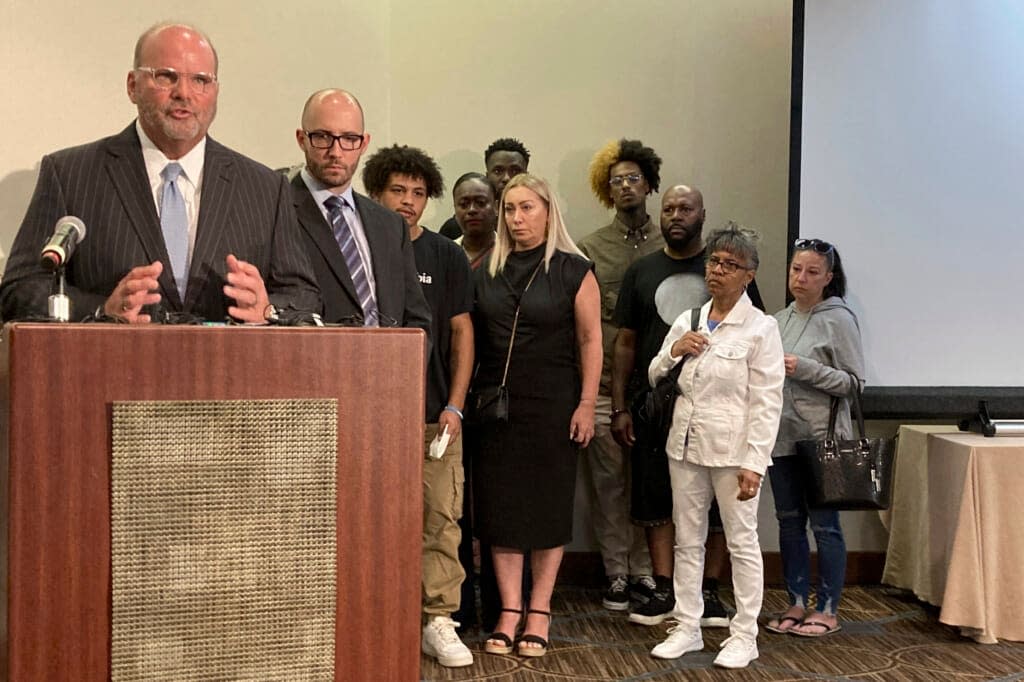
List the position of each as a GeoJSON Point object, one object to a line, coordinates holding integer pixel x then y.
{"type": "Point", "coordinates": [59, 384]}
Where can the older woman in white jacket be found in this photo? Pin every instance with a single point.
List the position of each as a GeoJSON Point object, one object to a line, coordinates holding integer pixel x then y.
{"type": "Point", "coordinates": [723, 429]}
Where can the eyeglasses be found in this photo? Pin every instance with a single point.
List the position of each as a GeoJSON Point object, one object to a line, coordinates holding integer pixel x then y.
{"type": "Point", "coordinates": [322, 139]}
{"type": "Point", "coordinates": [620, 180]}
{"type": "Point", "coordinates": [816, 245]}
{"type": "Point", "coordinates": [728, 266]}
{"type": "Point", "coordinates": [166, 78]}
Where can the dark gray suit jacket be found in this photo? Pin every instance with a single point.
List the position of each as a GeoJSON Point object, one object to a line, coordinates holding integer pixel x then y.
{"type": "Point", "coordinates": [399, 296]}
{"type": "Point", "coordinates": [244, 209]}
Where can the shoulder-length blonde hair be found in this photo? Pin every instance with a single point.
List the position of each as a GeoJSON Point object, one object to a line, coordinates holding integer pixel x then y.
{"type": "Point", "coordinates": [557, 238]}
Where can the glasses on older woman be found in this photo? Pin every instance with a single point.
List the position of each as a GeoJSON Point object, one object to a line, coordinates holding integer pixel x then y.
{"type": "Point", "coordinates": [816, 245]}
{"type": "Point", "coordinates": [728, 266]}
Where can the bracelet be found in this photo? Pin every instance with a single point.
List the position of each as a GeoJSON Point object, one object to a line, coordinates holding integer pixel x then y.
{"type": "Point", "coordinates": [453, 409]}
{"type": "Point", "coordinates": [616, 412]}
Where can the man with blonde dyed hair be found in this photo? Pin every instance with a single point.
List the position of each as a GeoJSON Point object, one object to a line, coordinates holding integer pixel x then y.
{"type": "Point", "coordinates": [359, 250]}
{"type": "Point", "coordinates": [622, 174]}
{"type": "Point", "coordinates": [177, 223]}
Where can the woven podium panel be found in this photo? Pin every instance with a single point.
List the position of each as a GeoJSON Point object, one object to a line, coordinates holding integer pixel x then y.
{"type": "Point", "coordinates": [223, 540]}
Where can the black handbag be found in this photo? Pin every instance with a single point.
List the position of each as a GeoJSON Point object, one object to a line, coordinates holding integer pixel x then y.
{"type": "Point", "coordinates": [490, 404]}
{"type": "Point", "coordinates": [849, 474]}
{"type": "Point", "coordinates": [652, 409]}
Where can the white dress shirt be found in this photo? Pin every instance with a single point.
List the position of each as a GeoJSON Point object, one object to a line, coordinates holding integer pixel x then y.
{"type": "Point", "coordinates": [190, 181]}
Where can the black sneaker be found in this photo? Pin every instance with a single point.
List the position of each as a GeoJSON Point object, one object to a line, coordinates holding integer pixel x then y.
{"type": "Point", "coordinates": [641, 589]}
{"type": "Point", "coordinates": [616, 597]}
{"type": "Point", "coordinates": [715, 613]}
{"type": "Point", "coordinates": [659, 606]}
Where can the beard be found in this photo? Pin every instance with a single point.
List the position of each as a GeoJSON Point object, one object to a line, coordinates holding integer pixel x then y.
{"type": "Point", "coordinates": [678, 242]}
{"type": "Point", "coordinates": [156, 118]}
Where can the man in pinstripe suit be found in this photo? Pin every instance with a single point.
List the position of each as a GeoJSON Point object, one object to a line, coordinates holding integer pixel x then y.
{"type": "Point", "coordinates": [236, 247]}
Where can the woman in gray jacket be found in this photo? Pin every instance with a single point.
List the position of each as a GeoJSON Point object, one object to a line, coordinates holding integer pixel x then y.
{"type": "Point", "coordinates": [823, 357]}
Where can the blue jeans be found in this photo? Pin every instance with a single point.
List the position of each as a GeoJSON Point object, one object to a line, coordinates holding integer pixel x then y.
{"type": "Point", "coordinates": [789, 481]}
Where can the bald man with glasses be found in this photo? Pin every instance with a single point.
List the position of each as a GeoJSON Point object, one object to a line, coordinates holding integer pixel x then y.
{"type": "Point", "coordinates": [360, 251]}
{"type": "Point", "coordinates": [177, 224]}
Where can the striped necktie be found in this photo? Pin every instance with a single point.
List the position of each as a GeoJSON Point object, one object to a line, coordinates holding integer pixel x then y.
{"type": "Point", "coordinates": [354, 261]}
{"type": "Point", "coordinates": [174, 224]}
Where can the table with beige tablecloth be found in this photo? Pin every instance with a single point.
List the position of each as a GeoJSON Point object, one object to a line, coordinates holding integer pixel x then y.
{"type": "Point", "coordinates": [957, 528]}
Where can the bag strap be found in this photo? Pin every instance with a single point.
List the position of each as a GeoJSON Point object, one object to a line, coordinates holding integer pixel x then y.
{"type": "Point", "coordinates": [855, 403]}
{"type": "Point", "coordinates": [854, 395]}
{"type": "Point", "coordinates": [515, 322]}
{"type": "Point", "coordinates": [694, 325]}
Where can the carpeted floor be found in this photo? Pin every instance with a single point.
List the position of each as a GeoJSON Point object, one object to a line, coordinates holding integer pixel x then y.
{"type": "Point", "coordinates": [886, 635]}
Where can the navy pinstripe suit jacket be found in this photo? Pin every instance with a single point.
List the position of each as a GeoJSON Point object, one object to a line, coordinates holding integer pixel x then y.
{"type": "Point", "coordinates": [399, 295]}
{"type": "Point", "coordinates": [245, 209]}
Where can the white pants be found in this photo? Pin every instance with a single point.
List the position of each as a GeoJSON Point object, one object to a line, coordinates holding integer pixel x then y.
{"type": "Point", "coordinates": [692, 489]}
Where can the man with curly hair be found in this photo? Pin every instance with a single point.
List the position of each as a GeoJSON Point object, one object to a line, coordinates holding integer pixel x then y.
{"type": "Point", "coordinates": [504, 159]}
{"type": "Point", "coordinates": [622, 175]}
{"type": "Point", "coordinates": [403, 179]}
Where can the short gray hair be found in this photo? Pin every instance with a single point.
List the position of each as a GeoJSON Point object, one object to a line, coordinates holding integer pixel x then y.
{"type": "Point", "coordinates": [735, 239]}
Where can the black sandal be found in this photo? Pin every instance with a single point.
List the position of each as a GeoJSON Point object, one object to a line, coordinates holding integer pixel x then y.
{"type": "Point", "coordinates": [505, 648]}
{"type": "Point", "coordinates": [542, 648]}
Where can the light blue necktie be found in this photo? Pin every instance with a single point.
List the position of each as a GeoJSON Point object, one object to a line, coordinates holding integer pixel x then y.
{"type": "Point", "coordinates": [354, 261]}
{"type": "Point", "coordinates": [174, 223]}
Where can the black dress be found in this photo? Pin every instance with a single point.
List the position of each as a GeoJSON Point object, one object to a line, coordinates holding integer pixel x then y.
{"type": "Point", "coordinates": [524, 476]}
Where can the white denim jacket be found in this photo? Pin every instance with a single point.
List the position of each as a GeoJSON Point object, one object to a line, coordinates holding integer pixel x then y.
{"type": "Point", "coordinates": [728, 414]}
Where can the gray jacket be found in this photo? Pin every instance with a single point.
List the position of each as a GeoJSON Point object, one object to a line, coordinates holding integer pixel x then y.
{"type": "Point", "coordinates": [827, 343]}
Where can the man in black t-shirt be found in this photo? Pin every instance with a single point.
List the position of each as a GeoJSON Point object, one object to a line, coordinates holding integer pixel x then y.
{"type": "Point", "coordinates": [655, 290]}
{"type": "Point", "coordinates": [403, 179]}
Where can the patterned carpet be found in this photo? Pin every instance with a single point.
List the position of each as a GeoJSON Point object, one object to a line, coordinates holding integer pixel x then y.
{"type": "Point", "coordinates": [886, 635]}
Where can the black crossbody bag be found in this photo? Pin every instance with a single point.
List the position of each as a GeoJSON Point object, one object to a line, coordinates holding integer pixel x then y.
{"type": "Point", "coordinates": [490, 404]}
{"type": "Point", "coordinates": [652, 409]}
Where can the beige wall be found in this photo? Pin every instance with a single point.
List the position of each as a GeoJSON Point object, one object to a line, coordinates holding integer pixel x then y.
{"type": "Point", "coordinates": [704, 82]}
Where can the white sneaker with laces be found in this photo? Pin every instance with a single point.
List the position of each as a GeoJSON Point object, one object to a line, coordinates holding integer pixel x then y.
{"type": "Point", "coordinates": [678, 643]}
{"type": "Point", "coordinates": [737, 652]}
{"type": "Point", "coordinates": [442, 642]}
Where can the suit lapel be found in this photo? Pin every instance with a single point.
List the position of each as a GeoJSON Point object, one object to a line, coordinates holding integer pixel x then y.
{"type": "Point", "coordinates": [374, 238]}
{"type": "Point", "coordinates": [312, 221]}
{"type": "Point", "coordinates": [378, 243]}
{"type": "Point", "coordinates": [218, 193]}
{"type": "Point", "coordinates": [127, 173]}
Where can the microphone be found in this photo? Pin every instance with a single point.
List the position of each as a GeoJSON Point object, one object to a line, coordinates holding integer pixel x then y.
{"type": "Point", "coordinates": [68, 232]}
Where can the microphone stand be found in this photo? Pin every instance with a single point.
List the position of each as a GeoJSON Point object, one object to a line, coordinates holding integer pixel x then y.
{"type": "Point", "coordinates": [58, 304]}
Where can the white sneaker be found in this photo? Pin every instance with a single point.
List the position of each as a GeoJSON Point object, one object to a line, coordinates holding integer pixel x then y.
{"type": "Point", "coordinates": [678, 643]}
{"type": "Point", "coordinates": [737, 652]}
{"type": "Point", "coordinates": [442, 642]}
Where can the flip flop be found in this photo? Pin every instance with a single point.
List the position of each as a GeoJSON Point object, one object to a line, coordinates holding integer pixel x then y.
{"type": "Point", "coordinates": [825, 629]}
{"type": "Point", "coordinates": [780, 622]}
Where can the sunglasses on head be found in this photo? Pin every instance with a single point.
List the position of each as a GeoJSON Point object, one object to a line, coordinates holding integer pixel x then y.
{"type": "Point", "coordinates": [816, 245]}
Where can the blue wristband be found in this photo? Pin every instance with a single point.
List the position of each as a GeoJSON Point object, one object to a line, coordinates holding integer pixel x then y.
{"type": "Point", "coordinates": [453, 409]}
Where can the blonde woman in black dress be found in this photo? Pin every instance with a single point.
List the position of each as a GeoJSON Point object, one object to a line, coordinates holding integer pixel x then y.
{"type": "Point", "coordinates": [525, 470]}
